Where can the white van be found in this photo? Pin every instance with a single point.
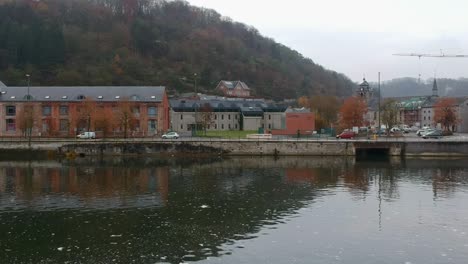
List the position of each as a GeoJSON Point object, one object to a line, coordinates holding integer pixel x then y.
{"type": "Point", "coordinates": [86, 135]}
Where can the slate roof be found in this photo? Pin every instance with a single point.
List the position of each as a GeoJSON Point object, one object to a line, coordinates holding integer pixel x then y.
{"type": "Point", "coordinates": [73, 93]}
{"type": "Point", "coordinates": [226, 105]}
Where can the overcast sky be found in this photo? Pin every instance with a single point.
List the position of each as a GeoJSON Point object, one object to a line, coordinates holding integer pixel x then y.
{"type": "Point", "coordinates": [358, 37]}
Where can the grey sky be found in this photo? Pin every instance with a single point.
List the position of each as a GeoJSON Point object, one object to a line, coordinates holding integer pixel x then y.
{"type": "Point", "coordinates": [359, 37]}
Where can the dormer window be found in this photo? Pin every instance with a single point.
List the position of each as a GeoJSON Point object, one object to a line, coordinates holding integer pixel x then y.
{"type": "Point", "coordinates": [26, 97]}
{"type": "Point", "coordinates": [134, 97]}
{"type": "Point", "coordinates": [64, 97]}
{"type": "Point", "coordinates": [12, 97]}
{"type": "Point", "coordinates": [153, 97]}
{"type": "Point", "coordinates": [47, 97]}
{"type": "Point", "coordinates": [117, 97]}
{"type": "Point", "coordinates": [100, 97]}
{"type": "Point", "coordinates": [81, 97]}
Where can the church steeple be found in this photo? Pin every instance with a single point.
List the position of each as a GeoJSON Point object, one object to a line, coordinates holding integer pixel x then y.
{"type": "Point", "coordinates": [435, 91]}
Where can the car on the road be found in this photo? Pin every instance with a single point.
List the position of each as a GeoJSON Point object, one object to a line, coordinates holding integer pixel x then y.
{"type": "Point", "coordinates": [433, 134]}
{"type": "Point", "coordinates": [395, 130]}
{"type": "Point", "coordinates": [86, 135]}
{"type": "Point", "coordinates": [346, 134]}
{"type": "Point", "coordinates": [423, 131]}
{"type": "Point", "coordinates": [170, 135]}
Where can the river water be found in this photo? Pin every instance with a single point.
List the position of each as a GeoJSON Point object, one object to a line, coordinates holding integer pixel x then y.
{"type": "Point", "coordinates": [234, 210]}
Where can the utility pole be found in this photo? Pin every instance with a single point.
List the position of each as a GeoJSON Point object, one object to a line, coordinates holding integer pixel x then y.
{"type": "Point", "coordinates": [195, 80]}
{"type": "Point", "coordinates": [28, 76]}
{"type": "Point", "coordinates": [379, 103]}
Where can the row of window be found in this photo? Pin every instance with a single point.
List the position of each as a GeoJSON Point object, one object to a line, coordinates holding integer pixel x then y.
{"type": "Point", "coordinates": [222, 117]}
{"type": "Point", "coordinates": [63, 110]}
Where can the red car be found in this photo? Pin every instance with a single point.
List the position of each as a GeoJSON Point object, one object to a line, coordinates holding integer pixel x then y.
{"type": "Point", "coordinates": [346, 134]}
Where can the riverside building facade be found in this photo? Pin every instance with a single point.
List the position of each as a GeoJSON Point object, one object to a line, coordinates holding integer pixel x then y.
{"type": "Point", "coordinates": [111, 111]}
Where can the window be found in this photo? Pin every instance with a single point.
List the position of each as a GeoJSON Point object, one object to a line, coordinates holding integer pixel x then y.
{"type": "Point", "coordinates": [222, 117]}
{"type": "Point", "coordinates": [152, 111]}
{"type": "Point", "coordinates": [136, 110]}
{"type": "Point", "coordinates": [235, 117]}
{"type": "Point", "coordinates": [10, 125]}
{"type": "Point", "coordinates": [152, 125]}
{"type": "Point", "coordinates": [222, 126]}
{"type": "Point", "coordinates": [46, 110]}
{"type": "Point", "coordinates": [269, 117]}
{"type": "Point", "coordinates": [10, 110]}
{"type": "Point", "coordinates": [216, 126]}
{"type": "Point", "coordinates": [181, 127]}
{"type": "Point", "coordinates": [229, 117]}
{"type": "Point", "coordinates": [236, 126]}
{"type": "Point", "coordinates": [64, 124]}
{"type": "Point", "coordinates": [229, 126]}
{"type": "Point", "coordinates": [80, 97]}
{"type": "Point", "coordinates": [216, 117]}
{"type": "Point", "coordinates": [269, 126]}
{"type": "Point", "coordinates": [63, 110]}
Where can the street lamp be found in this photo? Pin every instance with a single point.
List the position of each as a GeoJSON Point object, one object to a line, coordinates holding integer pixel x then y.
{"type": "Point", "coordinates": [379, 103]}
{"type": "Point", "coordinates": [28, 76]}
{"type": "Point", "coordinates": [195, 80]}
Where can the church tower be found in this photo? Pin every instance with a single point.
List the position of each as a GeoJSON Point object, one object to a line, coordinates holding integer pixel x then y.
{"type": "Point", "coordinates": [435, 91]}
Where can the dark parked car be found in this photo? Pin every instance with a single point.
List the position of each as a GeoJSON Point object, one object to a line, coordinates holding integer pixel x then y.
{"type": "Point", "coordinates": [346, 134]}
{"type": "Point", "coordinates": [433, 134]}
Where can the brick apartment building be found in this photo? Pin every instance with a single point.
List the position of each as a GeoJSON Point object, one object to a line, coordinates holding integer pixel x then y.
{"type": "Point", "coordinates": [66, 111]}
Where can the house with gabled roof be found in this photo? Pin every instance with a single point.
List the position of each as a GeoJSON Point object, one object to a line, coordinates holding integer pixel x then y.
{"type": "Point", "coordinates": [233, 89]}
{"type": "Point", "coordinates": [60, 111]}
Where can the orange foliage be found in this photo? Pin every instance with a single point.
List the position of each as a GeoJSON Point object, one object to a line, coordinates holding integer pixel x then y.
{"type": "Point", "coordinates": [445, 113]}
{"type": "Point", "coordinates": [352, 113]}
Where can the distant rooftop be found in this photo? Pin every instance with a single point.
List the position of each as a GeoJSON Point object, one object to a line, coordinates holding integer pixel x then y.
{"type": "Point", "coordinates": [298, 110]}
{"type": "Point", "coordinates": [2, 84]}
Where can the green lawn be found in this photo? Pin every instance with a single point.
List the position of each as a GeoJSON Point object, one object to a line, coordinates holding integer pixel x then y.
{"type": "Point", "coordinates": [233, 134]}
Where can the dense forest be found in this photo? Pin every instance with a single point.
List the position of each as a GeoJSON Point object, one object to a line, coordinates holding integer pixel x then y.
{"type": "Point", "coordinates": [149, 42]}
{"type": "Point", "coordinates": [413, 87]}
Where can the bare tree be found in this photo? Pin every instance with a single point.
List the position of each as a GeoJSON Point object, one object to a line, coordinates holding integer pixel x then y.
{"type": "Point", "coordinates": [124, 115]}
{"type": "Point", "coordinates": [206, 116]}
{"type": "Point", "coordinates": [390, 112]}
{"type": "Point", "coordinates": [27, 120]}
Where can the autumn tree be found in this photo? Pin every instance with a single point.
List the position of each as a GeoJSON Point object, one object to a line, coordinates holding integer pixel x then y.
{"type": "Point", "coordinates": [325, 109]}
{"type": "Point", "coordinates": [27, 120]}
{"type": "Point", "coordinates": [445, 113]}
{"type": "Point", "coordinates": [124, 115]}
{"type": "Point", "coordinates": [86, 111]}
{"type": "Point", "coordinates": [352, 112]}
{"type": "Point", "coordinates": [104, 121]}
{"type": "Point", "coordinates": [206, 116]}
{"type": "Point", "coordinates": [389, 113]}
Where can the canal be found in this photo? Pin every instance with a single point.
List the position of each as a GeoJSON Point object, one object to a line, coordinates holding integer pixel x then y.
{"type": "Point", "coordinates": [234, 210]}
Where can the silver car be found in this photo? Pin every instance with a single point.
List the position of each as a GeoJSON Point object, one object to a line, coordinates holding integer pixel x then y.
{"type": "Point", "coordinates": [170, 135]}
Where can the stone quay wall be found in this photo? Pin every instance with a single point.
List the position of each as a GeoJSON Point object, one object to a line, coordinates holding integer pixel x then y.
{"type": "Point", "coordinates": [244, 147]}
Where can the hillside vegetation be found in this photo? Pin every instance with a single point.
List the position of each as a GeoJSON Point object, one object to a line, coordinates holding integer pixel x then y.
{"type": "Point", "coordinates": [142, 42]}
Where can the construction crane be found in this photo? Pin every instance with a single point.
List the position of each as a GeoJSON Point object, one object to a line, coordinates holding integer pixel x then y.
{"type": "Point", "coordinates": [419, 55]}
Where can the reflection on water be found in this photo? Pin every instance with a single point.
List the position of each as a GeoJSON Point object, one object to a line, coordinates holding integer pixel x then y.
{"type": "Point", "coordinates": [237, 210]}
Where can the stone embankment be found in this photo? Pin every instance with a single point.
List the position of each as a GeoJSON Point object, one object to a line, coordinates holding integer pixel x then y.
{"type": "Point", "coordinates": [241, 147]}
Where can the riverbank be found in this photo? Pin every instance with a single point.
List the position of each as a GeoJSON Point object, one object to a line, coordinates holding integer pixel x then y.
{"type": "Point", "coordinates": [243, 147]}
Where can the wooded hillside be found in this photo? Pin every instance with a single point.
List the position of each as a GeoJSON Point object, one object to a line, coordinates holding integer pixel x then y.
{"type": "Point", "coordinates": [143, 42]}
